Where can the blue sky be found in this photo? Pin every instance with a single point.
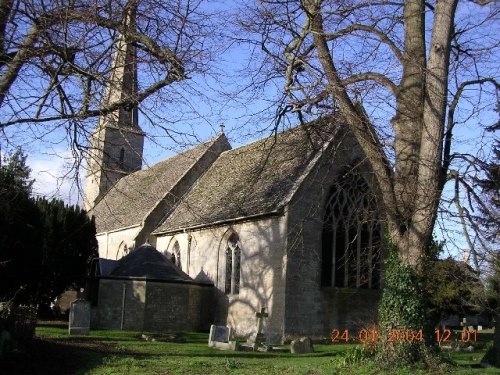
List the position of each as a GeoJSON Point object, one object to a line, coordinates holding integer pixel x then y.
{"type": "Point", "coordinates": [193, 110]}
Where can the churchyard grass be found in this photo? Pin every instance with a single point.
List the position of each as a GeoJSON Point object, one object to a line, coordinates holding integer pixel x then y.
{"type": "Point", "coordinates": [124, 352]}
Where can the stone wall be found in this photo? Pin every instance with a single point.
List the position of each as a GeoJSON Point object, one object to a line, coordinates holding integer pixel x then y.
{"type": "Point", "coordinates": [109, 304]}
{"type": "Point", "coordinates": [262, 283]}
{"type": "Point", "coordinates": [310, 308]}
{"type": "Point", "coordinates": [109, 242]}
{"type": "Point", "coordinates": [153, 306]}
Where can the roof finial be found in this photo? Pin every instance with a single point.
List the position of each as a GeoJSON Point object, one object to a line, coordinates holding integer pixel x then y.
{"type": "Point", "coordinates": [221, 128]}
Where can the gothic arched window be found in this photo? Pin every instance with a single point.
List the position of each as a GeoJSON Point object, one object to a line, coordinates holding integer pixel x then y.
{"type": "Point", "coordinates": [233, 265]}
{"type": "Point", "coordinates": [176, 254]}
{"type": "Point", "coordinates": [122, 250]}
{"type": "Point", "coordinates": [351, 237]}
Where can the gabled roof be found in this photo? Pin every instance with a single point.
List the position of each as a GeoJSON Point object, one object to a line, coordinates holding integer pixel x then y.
{"type": "Point", "coordinates": [146, 262]}
{"type": "Point", "coordinates": [134, 196]}
{"type": "Point", "coordinates": [251, 180]}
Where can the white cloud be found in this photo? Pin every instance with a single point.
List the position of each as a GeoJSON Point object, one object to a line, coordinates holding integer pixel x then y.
{"type": "Point", "coordinates": [55, 176]}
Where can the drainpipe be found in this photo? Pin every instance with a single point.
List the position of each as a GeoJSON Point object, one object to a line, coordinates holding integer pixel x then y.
{"type": "Point", "coordinates": [124, 286]}
{"type": "Point", "coordinates": [189, 252]}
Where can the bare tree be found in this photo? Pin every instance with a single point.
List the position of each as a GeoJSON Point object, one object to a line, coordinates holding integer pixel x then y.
{"type": "Point", "coordinates": [413, 62]}
{"type": "Point", "coordinates": [56, 58]}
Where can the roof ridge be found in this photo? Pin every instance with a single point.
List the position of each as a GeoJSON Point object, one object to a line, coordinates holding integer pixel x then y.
{"type": "Point", "coordinates": [193, 185]}
{"type": "Point", "coordinates": [211, 143]}
{"type": "Point", "coordinates": [310, 124]}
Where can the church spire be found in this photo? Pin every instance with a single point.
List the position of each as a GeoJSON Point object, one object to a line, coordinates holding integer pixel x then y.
{"type": "Point", "coordinates": [116, 145]}
{"type": "Point", "coordinates": [122, 82]}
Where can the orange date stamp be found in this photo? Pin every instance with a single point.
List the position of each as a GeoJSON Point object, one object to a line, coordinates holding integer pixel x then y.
{"type": "Point", "coordinates": [400, 336]}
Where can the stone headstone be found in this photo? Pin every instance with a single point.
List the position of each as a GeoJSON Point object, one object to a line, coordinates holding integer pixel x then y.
{"type": "Point", "coordinates": [79, 317]}
{"type": "Point", "coordinates": [302, 345]}
{"type": "Point", "coordinates": [220, 338]}
{"type": "Point", "coordinates": [221, 334]}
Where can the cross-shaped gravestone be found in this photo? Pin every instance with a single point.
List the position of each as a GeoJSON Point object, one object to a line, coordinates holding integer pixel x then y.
{"type": "Point", "coordinates": [260, 319]}
{"type": "Point", "coordinates": [259, 337]}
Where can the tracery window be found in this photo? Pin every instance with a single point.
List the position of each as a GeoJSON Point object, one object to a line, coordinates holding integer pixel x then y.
{"type": "Point", "coordinates": [351, 237]}
{"type": "Point", "coordinates": [233, 265]}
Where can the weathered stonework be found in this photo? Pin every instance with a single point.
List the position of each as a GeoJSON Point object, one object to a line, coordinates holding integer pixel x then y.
{"type": "Point", "coordinates": [262, 272]}
{"type": "Point", "coordinates": [152, 306]}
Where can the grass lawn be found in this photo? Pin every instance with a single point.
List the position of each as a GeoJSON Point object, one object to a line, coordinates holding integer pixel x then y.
{"type": "Point", "coordinates": [119, 352]}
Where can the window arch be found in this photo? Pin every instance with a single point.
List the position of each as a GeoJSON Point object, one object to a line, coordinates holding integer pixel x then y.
{"type": "Point", "coordinates": [351, 239]}
{"type": "Point", "coordinates": [233, 265]}
{"type": "Point", "coordinates": [175, 256]}
{"type": "Point", "coordinates": [122, 250]}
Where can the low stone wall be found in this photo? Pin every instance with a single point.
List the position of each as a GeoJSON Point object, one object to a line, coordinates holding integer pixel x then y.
{"type": "Point", "coordinates": [154, 306]}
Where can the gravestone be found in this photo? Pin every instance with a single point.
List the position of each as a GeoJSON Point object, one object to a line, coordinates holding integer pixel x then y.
{"type": "Point", "coordinates": [79, 317]}
{"type": "Point", "coordinates": [259, 338]}
{"type": "Point", "coordinates": [302, 345]}
{"type": "Point", "coordinates": [221, 334]}
{"type": "Point", "coordinates": [220, 338]}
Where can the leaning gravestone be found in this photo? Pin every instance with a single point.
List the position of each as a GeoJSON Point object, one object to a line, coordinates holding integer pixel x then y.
{"type": "Point", "coordinates": [79, 317]}
{"type": "Point", "coordinates": [220, 338]}
{"type": "Point", "coordinates": [221, 333]}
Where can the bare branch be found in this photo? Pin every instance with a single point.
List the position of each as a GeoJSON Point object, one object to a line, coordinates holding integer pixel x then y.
{"type": "Point", "coordinates": [369, 29]}
{"type": "Point", "coordinates": [372, 76]}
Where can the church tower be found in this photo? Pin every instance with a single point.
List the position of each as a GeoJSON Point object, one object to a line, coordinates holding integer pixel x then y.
{"type": "Point", "coordinates": [116, 145]}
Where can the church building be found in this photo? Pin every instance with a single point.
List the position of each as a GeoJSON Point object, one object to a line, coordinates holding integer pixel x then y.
{"type": "Point", "coordinates": [290, 222]}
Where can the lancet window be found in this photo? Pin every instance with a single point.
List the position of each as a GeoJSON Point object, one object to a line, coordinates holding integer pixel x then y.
{"type": "Point", "coordinates": [175, 256]}
{"type": "Point", "coordinates": [233, 265]}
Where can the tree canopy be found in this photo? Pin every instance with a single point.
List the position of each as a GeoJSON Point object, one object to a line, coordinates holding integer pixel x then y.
{"type": "Point", "coordinates": [45, 246]}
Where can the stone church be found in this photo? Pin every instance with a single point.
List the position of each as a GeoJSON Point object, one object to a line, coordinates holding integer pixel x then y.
{"type": "Point", "coordinates": [289, 223]}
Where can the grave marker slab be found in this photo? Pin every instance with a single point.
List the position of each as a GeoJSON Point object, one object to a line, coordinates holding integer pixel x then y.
{"type": "Point", "coordinates": [79, 317]}
{"type": "Point", "coordinates": [220, 338]}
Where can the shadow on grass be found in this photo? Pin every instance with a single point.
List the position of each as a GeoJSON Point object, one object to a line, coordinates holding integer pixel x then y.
{"type": "Point", "coordinates": [42, 356]}
{"type": "Point", "coordinates": [70, 355]}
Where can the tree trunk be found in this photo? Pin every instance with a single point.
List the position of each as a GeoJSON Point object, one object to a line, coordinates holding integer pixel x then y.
{"type": "Point", "coordinates": [412, 192]}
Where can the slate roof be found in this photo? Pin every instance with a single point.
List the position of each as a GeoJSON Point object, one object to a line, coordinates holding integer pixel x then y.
{"type": "Point", "coordinates": [129, 201]}
{"type": "Point", "coordinates": [146, 262]}
{"type": "Point", "coordinates": [251, 180]}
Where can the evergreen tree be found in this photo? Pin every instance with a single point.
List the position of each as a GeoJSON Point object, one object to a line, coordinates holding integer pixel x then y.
{"type": "Point", "coordinates": [20, 236]}
{"type": "Point", "coordinates": [45, 246]}
{"type": "Point", "coordinates": [68, 245]}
